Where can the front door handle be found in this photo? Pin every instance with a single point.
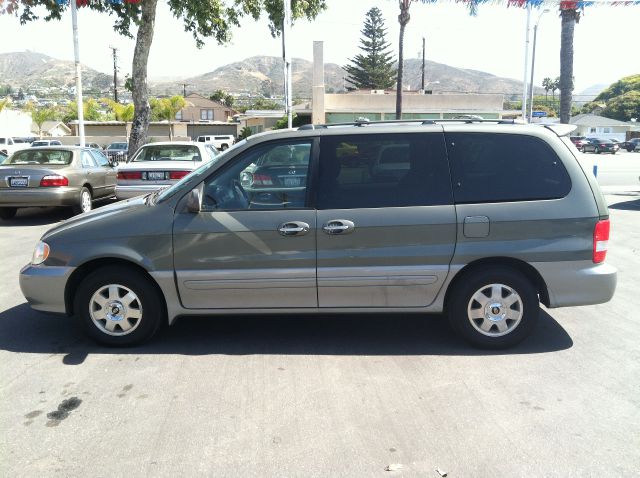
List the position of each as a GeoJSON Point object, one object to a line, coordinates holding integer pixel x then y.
{"type": "Point", "coordinates": [293, 228]}
{"type": "Point", "coordinates": [338, 226]}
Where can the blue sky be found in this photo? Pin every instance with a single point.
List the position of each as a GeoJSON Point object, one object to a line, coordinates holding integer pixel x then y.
{"type": "Point", "coordinates": [606, 40]}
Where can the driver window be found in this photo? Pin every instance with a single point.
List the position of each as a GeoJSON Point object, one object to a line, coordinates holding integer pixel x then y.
{"type": "Point", "coordinates": [271, 176]}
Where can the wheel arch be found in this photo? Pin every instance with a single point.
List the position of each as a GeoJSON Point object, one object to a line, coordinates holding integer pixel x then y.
{"type": "Point", "coordinates": [81, 272]}
{"type": "Point", "coordinates": [519, 265]}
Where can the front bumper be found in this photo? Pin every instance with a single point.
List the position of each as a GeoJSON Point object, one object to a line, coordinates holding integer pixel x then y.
{"type": "Point", "coordinates": [43, 286]}
{"type": "Point", "coordinates": [128, 192]}
{"type": "Point", "coordinates": [41, 197]}
{"type": "Point", "coordinates": [572, 283]}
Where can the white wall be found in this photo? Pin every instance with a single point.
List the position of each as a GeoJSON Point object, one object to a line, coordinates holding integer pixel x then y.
{"type": "Point", "coordinates": [15, 123]}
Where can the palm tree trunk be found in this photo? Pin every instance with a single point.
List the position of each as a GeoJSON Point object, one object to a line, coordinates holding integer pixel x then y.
{"type": "Point", "coordinates": [140, 93]}
{"type": "Point", "coordinates": [403, 18]}
{"type": "Point", "coordinates": [569, 18]}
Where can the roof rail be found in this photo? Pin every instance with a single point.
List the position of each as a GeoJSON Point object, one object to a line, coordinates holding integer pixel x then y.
{"type": "Point", "coordinates": [366, 122]}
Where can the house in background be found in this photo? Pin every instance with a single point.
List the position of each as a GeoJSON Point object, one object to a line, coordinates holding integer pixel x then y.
{"type": "Point", "coordinates": [201, 109]}
{"type": "Point", "coordinates": [592, 126]}
{"type": "Point", "coordinates": [51, 128]}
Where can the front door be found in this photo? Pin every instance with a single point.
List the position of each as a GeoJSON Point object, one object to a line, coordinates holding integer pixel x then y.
{"type": "Point", "coordinates": [386, 222]}
{"type": "Point", "coordinates": [253, 245]}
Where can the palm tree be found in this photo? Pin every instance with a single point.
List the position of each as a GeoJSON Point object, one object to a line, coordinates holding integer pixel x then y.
{"type": "Point", "coordinates": [403, 19]}
{"type": "Point", "coordinates": [547, 83]}
{"type": "Point", "coordinates": [4, 103]}
{"type": "Point", "coordinates": [121, 112]}
{"type": "Point", "coordinates": [570, 16]}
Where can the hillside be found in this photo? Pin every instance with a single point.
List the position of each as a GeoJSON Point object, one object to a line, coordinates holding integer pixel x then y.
{"type": "Point", "coordinates": [264, 75]}
{"type": "Point", "coordinates": [35, 70]}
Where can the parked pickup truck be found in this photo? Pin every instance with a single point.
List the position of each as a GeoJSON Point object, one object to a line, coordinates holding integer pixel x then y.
{"type": "Point", "coordinates": [220, 142]}
{"type": "Point", "coordinates": [8, 146]}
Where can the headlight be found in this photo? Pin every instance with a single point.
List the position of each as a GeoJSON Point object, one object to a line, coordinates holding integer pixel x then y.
{"type": "Point", "coordinates": [40, 254]}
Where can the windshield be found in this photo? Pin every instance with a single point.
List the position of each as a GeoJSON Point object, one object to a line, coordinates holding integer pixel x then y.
{"type": "Point", "coordinates": [167, 152]}
{"type": "Point", "coordinates": [118, 146]}
{"type": "Point", "coordinates": [201, 171]}
{"type": "Point", "coordinates": [50, 157]}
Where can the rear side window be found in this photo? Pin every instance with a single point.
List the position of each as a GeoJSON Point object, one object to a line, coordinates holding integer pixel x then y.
{"type": "Point", "coordinates": [504, 167]}
{"type": "Point", "coordinates": [383, 170]}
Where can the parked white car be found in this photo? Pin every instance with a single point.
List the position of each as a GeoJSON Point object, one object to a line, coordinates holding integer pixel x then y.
{"type": "Point", "coordinates": [157, 165]}
{"type": "Point", "coordinates": [8, 146]}
{"type": "Point", "coordinates": [220, 141]}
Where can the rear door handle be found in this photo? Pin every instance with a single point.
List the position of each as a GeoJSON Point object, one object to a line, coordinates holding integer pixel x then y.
{"type": "Point", "coordinates": [338, 226]}
{"type": "Point", "coordinates": [293, 228]}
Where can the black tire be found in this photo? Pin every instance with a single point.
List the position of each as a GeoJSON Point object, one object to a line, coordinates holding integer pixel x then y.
{"type": "Point", "coordinates": [224, 147]}
{"type": "Point", "coordinates": [597, 150]}
{"type": "Point", "coordinates": [461, 299]}
{"type": "Point", "coordinates": [149, 301]}
{"type": "Point", "coordinates": [81, 206]}
{"type": "Point", "coordinates": [8, 212]}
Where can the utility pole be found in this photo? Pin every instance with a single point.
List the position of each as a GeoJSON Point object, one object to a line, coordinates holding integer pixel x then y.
{"type": "Point", "coordinates": [526, 65]}
{"type": "Point", "coordinates": [184, 89]}
{"type": "Point", "coordinates": [286, 56]}
{"type": "Point", "coordinates": [76, 54]}
{"type": "Point", "coordinates": [423, 46]}
{"type": "Point", "coordinates": [115, 73]}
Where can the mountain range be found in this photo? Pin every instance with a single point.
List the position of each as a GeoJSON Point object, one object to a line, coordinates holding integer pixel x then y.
{"type": "Point", "coordinates": [34, 70]}
{"type": "Point", "coordinates": [255, 75]}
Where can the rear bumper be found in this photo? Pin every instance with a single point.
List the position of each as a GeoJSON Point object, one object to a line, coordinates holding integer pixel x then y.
{"type": "Point", "coordinates": [128, 192]}
{"type": "Point", "coordinates": [43, 287]}
{"type": "Point", "coordinates": [41, 197]}
{"type": "Point", "coordinates": [572, 283]}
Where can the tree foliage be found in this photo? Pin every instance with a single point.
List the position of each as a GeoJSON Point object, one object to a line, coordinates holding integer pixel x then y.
{"type": "Point", "coordinates": [245, 133]}
{"type": "Point", "coordinates": [375, 67]}
{"type": "Point", "coordinates": [623, 107]}
{"type": "Point", "coordinates": [40, 115]}
{"type": "Point", "coordinates": [120, 111]}
{"type": "Point", "coordinates": [166, 109]}
{"type": "Point", "coordinates": [202, 18]}
{"type": "Point", "coordinates": [222, 97]}
{"type": "Point", "coordinates": [91, 111]}
{"type": "Point", "coordinates": [620, 87]}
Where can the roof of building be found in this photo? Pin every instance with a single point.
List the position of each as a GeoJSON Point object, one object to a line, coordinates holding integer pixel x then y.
{"type": "Point", "coordinates": [589, 119]}
{"type": "Point", "coordinates": [49, 125]}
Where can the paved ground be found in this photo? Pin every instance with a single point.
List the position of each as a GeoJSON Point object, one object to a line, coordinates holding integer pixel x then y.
{"type": "Point", "coordinates": [324, 396]}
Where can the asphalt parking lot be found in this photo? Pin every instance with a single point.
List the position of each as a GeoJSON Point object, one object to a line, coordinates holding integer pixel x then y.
{"type": "Point", "coordinates": [329, 396]}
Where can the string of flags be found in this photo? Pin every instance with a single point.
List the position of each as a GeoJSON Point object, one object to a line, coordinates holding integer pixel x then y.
{"type": "Point", "coordinates": [561, 4]}
{"type": "Point", "coordinates": [85, 3]}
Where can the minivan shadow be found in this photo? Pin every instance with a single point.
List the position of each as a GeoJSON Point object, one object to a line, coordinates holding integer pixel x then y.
{"type": "Point", "coordinates": [27, 331]}
{"type": "Point", "coordinates": [633, 205]}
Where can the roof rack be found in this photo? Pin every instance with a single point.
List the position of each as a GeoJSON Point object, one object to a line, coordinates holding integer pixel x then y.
{"type": "Point", "coordinates": [366, 122]}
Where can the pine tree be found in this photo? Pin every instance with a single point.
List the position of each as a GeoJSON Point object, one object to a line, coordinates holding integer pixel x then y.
{"type": "Point", "coordinates": [375, 69]}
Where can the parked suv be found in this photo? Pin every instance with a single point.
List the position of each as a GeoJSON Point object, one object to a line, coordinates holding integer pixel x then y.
{"type": "Point", "coordinates": [482, 221]}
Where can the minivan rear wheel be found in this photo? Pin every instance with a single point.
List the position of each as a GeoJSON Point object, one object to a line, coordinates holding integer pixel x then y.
{"type": "Point", "coordinates": [119, 306]}
{"type": "Point", "coordinates": [495, 308]}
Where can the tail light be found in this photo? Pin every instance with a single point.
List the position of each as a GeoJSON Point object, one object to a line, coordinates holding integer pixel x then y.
{"type": "Point", "coordinates": [178, 174]}
{"type": "Point", "coordinates": [54, 180]}
{"type": "Point", "coordinates": [601, 240]}
{"type": "Point", "coordinates": [262, 180]}
{"type": "Point", "coordinates": [129, 175]}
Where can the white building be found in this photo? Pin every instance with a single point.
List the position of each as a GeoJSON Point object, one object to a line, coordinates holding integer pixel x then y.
{"type": "Point", "coordinates": [15, 123]}
{"type": "Point", "coordinates": [592, 126]}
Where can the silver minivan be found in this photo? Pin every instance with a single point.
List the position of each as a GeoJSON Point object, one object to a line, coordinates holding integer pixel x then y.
{"type": "Point", "coordinates": [482, 220]}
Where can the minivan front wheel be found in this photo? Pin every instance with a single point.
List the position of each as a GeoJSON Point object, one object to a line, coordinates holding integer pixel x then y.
{"type": "Point", "coordinates": [119, 306]}
{"type": "Point", "coordinates": [495, 307]}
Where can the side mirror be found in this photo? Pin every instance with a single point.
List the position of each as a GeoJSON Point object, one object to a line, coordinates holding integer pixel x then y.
{"type": "Point", "coordinates": [196, 157]}
{"type": "Point", "coordinates": [193, 201]}
{"type": "Point", "coordinates": [114, 164]}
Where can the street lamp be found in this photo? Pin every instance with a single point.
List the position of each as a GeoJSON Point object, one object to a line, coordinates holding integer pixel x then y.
{"type": "Point", "coordinates": [533, 62]}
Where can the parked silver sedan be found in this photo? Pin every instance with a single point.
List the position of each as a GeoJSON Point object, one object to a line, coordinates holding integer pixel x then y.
{"type": "Point", "coordinates": [54, 176]}
{"type": "Point", "coordinates": [157, 165]}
